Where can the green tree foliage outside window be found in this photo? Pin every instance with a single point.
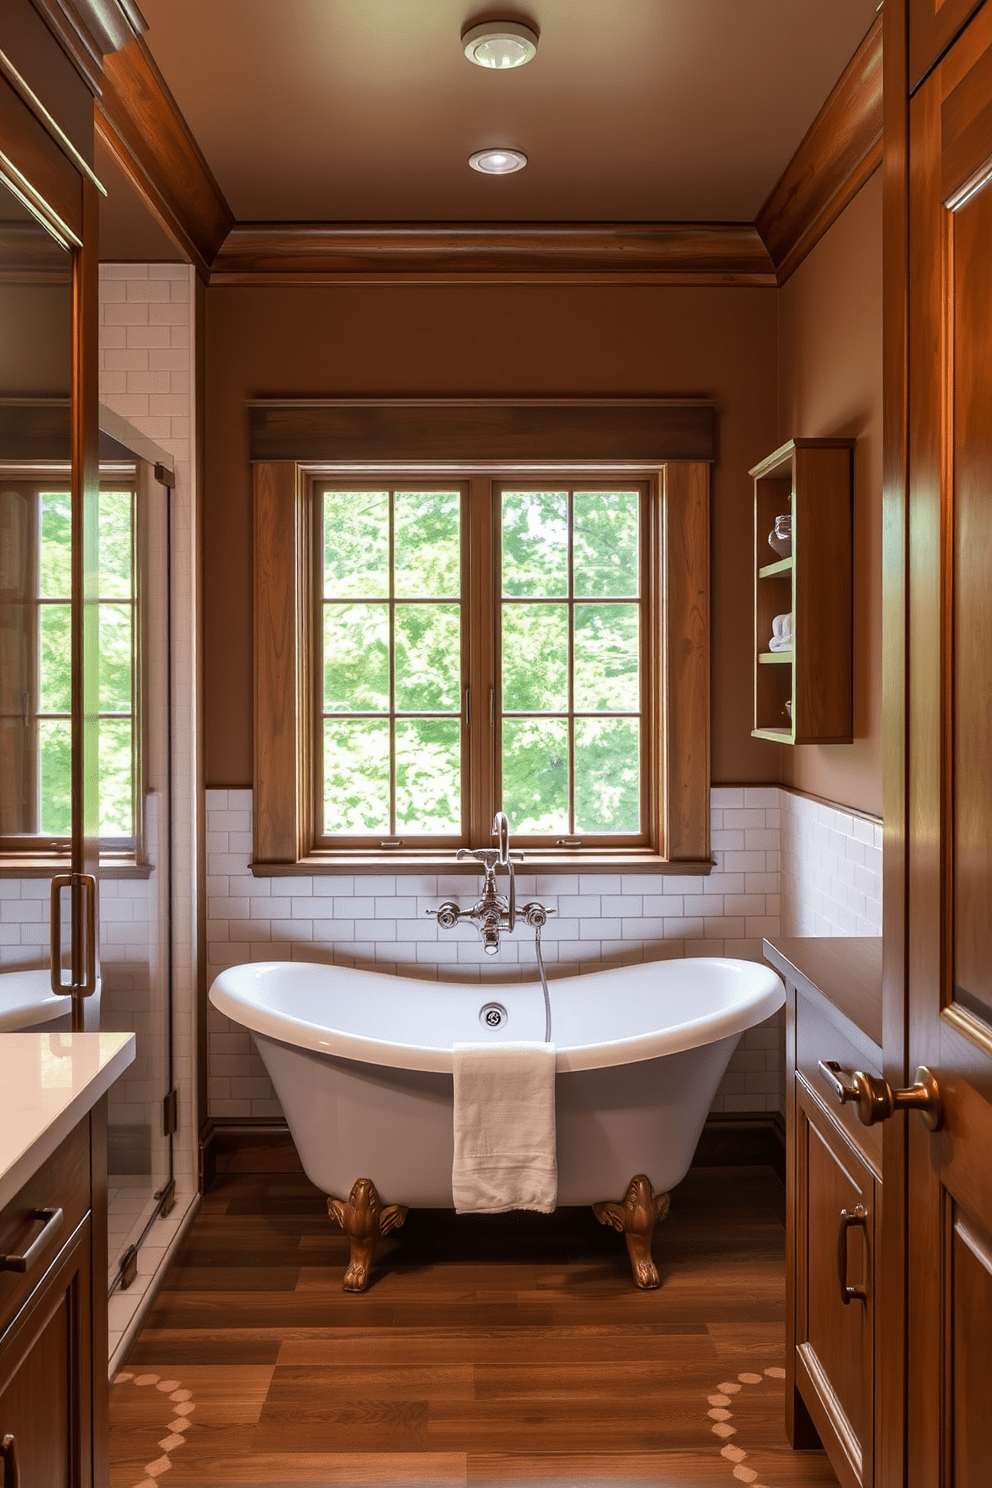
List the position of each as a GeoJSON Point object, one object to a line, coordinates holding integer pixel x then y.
{"type": "Point", "coordinates": [570, 621]}
{"type": "Point", "coordinates": [116, 585]}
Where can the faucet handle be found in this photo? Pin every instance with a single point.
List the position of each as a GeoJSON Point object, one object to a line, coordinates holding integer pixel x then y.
{"type": "Point", "coordinates": [487, 856]}
{"type": "Point", "coordinates": [501, 831]}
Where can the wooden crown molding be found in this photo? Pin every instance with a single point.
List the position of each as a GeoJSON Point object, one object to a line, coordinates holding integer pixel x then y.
{"type": "Point", "coordinates": [139, 121]}
{"type": "Point", "coordinates": [842, 148]}
{"type": "Point", "coordinates": [493, 252]}
{"type": "Point", "coordinates": [89, 29]}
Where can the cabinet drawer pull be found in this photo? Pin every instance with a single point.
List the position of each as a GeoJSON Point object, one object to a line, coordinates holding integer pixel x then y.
{"type": "Point", "coordinates": [849, 1219]}
{"type": "Point", "coordinates": [53, 1222]}
{"type": "Point", "coordinates": [8, 1456]}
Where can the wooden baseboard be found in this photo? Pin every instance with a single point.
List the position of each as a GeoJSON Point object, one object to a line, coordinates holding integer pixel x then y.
{"type": "Point", "coordinates": [265, 1146]}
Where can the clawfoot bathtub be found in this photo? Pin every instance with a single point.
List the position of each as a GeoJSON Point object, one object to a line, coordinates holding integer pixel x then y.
{"type": "Point", "coordinates": [362, 1065]}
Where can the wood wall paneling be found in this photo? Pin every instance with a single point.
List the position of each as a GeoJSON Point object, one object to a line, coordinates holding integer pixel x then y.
{"type": "Point", "coordinates": [578, 253]}
{"type": "Point", "coordinates": [474, 432]}
{"type": "Point", "coordinates": [842, 148]}
{"type": "Point", "coordinates": [139, 121]}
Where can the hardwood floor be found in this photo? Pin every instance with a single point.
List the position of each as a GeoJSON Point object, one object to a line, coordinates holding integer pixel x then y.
{"type": "Point", "coordinates": [509, 1349]}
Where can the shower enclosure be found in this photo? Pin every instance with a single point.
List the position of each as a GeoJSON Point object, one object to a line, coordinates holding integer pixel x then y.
{"type": "Point", "coordinates": [85, 683]}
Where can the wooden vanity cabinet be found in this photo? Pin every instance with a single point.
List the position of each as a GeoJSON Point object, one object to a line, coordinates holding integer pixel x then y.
{"type": "Point", "coordinates": [833, 1201]}
{"type": "Point", "coordinates": [53, 1323]}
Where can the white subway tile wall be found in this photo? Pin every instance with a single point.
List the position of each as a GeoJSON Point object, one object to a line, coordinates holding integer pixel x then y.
{"type": "Point", "coordinates": [605, 920]}
{"type": "Point", "coordinates": [831, 869]}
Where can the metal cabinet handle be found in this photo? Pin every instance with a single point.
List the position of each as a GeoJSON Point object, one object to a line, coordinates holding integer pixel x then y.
{"type": "Point", "coordinates": [875, 1099]}
{"type": "Point", "coordinates": [53, 1222]}
{"type": "Point", "coordinates": [849, 1220]}
{"type": "Point", "coordinates": [8, 1457]}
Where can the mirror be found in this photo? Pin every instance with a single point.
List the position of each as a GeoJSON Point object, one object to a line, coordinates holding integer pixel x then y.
{"type": "Point", "coordinates": [35, 602]}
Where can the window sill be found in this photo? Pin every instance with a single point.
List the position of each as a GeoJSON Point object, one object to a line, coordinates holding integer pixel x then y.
{"type": "Point", "coordinates": [46, 865]}
{"type": "Point", "coordinates": [529, 862]}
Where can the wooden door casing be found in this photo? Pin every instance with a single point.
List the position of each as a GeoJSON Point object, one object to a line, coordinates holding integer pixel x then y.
{"type": "Point", "coordinates": [933, 25]}
{"type": "Point", "coordinates": [949, 1201]}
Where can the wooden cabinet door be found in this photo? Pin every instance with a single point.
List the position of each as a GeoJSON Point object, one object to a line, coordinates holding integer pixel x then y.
{"type": "Point", "coordinates": [834, 1291]}
{"type": "Point", "coordinates": [933, 25]}
{"type": "Point", "coordinates": [949, 1194]}
{"type": "Point", "coordinates": [46, 1379]}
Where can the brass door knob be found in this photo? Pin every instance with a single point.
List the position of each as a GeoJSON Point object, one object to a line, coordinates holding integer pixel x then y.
{"type": "Point", "coordinates": [875, 1099]}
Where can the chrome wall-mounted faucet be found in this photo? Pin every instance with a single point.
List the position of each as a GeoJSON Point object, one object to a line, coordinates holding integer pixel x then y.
{"type": "Point", "coordinates": [493, 912]}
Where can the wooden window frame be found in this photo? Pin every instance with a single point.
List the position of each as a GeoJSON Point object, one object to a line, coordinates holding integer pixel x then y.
{"type": "Point", "coordinates": [30, 854]}
{"type": "Point", "coordinates": [678, 687]}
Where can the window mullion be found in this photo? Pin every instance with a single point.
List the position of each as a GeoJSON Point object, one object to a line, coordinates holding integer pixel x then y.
{"type": "Point", "coordinates": [392, 664]}
{"type": "Point", "coordinates": [480, 610]}
{"type": "Point", "coordinates": [570, 725]}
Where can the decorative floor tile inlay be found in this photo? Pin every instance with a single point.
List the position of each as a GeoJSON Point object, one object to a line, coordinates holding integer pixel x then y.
{"type": "Point", "coordinates": [181, 1408]}
{"type": "Point", "coordinates": [721, 1416]}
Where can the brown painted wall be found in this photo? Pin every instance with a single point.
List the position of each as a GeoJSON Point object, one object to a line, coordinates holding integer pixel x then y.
{"type": "Point", "coordinates": [830, 383]}
{"type": "Point", "coordinates": [495, 341]}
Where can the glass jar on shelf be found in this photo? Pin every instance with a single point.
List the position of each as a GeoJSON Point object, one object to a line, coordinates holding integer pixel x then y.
{"type": "Point", "coordinates": [780, 537]}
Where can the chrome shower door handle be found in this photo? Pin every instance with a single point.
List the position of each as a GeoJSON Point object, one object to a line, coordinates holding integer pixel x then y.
{"type": "Point", "coordinates": [60, 881]}
{"type": "Point", "coordinates": [84, 897]}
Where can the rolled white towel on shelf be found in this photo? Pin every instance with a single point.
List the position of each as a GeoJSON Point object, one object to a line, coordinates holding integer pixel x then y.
{"type": "Point", "coordinates": [781, 633]}
{"type": "Point", "coordinates": [504, 1128]}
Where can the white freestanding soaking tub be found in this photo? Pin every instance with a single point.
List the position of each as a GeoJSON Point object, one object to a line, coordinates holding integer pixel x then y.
{"type": "Point", "coordinates": [362, 1065]}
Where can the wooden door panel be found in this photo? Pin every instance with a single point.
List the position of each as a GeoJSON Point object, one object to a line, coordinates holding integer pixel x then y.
{"type": "Point", "coordinates": [971, 658]}
{"type": "Point", "coordinates": [933, 25]}
{"type": "Point", "coordinates": [949, 746]}
{"type": "Point", "coordinates": [969, 1432]}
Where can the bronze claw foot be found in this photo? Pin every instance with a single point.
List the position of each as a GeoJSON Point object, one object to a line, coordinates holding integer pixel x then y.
{"type": "Point", "coordinates": [363, 1217]}
{"type": "Point", "coordinates": [635, 1217]}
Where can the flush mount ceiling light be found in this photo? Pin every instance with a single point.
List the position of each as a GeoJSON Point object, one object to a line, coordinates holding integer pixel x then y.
{"type": "Point", "coordinates": [497, 162]}
{"type": "Point", "coordinates": [499, 44]}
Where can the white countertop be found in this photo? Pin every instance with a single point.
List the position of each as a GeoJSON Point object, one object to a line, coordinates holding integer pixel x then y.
{"type": "Point", "coordinates": [48, 1082]}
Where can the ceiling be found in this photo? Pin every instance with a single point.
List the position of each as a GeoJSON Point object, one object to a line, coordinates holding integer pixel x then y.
{"type": "Point", "coordinates": [367, 110]}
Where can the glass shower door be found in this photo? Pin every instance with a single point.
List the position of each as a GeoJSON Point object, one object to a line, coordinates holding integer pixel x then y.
{"type": "Point", "coordinates": [135, 826]}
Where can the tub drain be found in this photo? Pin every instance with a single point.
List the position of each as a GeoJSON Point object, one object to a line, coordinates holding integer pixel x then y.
{"type": "Point", "coordinates": [492, 1014]}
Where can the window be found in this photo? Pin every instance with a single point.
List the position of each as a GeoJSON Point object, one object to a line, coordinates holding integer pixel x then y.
{"type": "Point", "coordinates": [561, 676]}
{"type": "Point", "coordinates": [35, 678]}
{"type": "Point", "coordinates": [432, 645]}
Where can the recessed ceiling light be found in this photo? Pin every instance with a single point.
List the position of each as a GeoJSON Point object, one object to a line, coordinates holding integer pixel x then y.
{"type": "Point", "coordinates": [499, 44]}
{"type": "Point", "coordinates": [497, 162]}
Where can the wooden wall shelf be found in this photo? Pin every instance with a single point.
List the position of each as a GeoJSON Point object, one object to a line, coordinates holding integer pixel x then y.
{"type": "Point", "coordinates": [811, 479]}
